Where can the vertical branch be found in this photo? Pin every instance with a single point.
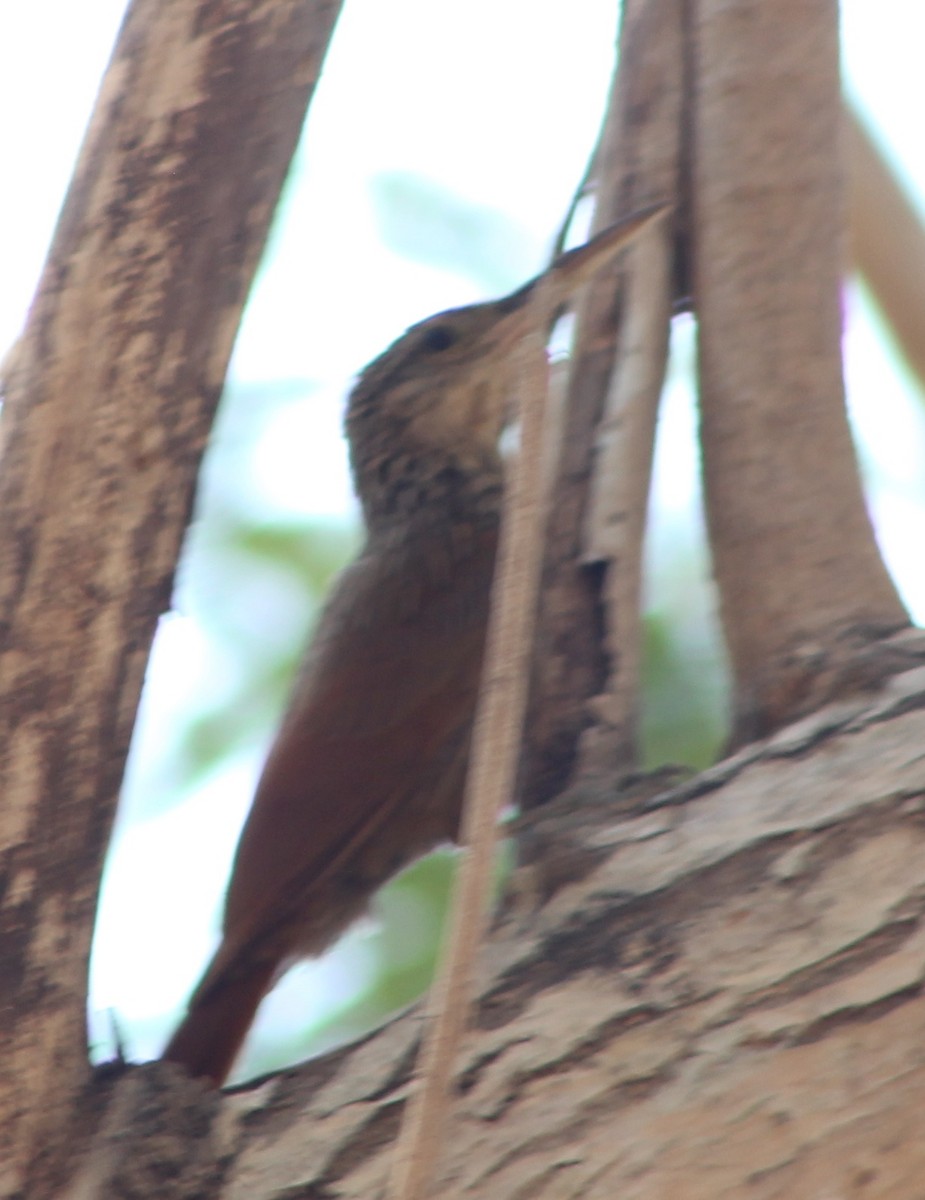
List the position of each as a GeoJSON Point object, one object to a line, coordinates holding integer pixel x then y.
{"type": "Point", "coordinates": [887, 241]}
{"type": "Point", "coordinates": [614, 530]}
{"type": "Point", "coordinates": [798, 570]}
{"type": "Point", "coordinates": [585, 667]}
{"type": "Point", "coordinates": [109, 397]}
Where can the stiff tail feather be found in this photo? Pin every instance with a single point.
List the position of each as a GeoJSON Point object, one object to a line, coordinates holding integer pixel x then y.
{"type": "Point", "coordinates": [209, 1037]}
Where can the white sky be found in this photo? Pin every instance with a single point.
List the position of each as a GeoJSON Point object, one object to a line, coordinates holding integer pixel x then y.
{"type": "Point", "coordinates": [499, 101]}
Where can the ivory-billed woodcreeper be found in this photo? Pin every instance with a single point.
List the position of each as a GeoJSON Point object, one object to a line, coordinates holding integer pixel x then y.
{"type": "Point", "coordinates": [367, 770]}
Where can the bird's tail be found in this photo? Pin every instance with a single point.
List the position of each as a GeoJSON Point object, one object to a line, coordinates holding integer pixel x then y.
{"type": "Point", "coordinates": [209, 1037]}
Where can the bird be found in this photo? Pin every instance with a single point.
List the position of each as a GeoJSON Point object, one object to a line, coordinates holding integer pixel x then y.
{"type": "Point", "coordinates": [367, 769]}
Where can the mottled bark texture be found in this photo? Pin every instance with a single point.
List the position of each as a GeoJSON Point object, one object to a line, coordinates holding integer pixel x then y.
{"type": "Point", "coordinates": [108, 399]}
{"type": "Point", "coordinates": [714, 990]}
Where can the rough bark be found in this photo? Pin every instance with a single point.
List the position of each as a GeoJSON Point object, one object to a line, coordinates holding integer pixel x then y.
{"type": "Point", "coordinates": [802, 585]}
{"type": "Point", "coordinates": [715, 990]}
{"type": "Point", "coordinates": [108, 399]}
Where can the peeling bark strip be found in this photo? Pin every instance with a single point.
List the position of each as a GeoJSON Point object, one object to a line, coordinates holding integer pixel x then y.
{"type": "Point", "coordinates": [726, 1000]}
{"type": "Point", "coordinates": [109, 398]}
{"type": "Point", "coordinates": [795, 558]}
{"type": "Point", "coordinates": [586, 662]}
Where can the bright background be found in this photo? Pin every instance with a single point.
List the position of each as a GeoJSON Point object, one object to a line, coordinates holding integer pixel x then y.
{"type": "Point", "coordinates": [443, 147]}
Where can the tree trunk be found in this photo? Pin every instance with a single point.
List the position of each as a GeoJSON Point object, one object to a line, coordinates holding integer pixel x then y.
{"type": "Point", "coordinates": [803, 588]}
{"type": "Point", "coordinates": [108, 400]}
{"type": "Point", "coordinates": [715, 990]}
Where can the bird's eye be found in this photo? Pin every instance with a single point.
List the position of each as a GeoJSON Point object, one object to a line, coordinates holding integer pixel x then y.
{"type": "Point", "coordinates": [439, 337]}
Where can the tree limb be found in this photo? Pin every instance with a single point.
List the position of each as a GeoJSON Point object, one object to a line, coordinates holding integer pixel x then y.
{"type": "Point", "coordinates": [887, 241]}
{"type": "Point", "coordinates": [585, 671]}
{"type": "Point", "coordinates": [716, 994]}
{"type": "Point", "coordinates": [801, 581]}
{"type": "Point", "coordinates": [108, 400]}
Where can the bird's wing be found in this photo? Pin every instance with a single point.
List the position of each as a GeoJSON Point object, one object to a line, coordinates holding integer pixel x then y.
{"type": "Point", "coordinates": [378, 722]}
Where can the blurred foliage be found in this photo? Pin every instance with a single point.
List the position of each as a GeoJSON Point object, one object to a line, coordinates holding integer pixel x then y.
{"type": "Point", "coordinates": [685, 694]}
{"type": "Point", "coordinates": [300, 559]}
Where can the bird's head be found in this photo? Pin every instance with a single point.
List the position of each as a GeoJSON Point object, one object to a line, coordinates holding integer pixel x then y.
{"type": "Point", "coordinates": [441, 390]}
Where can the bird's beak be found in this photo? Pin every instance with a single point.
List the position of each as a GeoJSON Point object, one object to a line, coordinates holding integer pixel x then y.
{"type": "Point", "coordinates": [567, 273]}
